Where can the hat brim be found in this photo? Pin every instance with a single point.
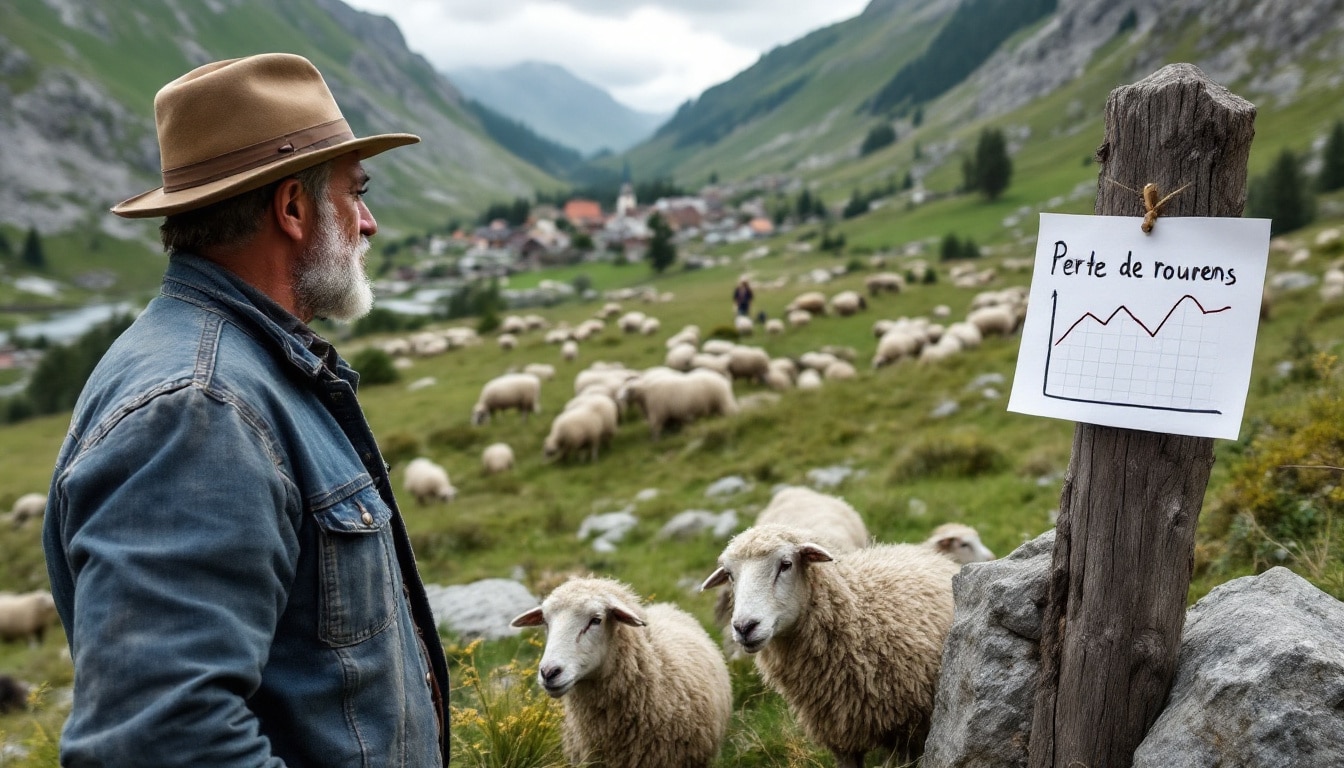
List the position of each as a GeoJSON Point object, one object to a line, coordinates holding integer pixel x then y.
{"type": "Point", "coordinates": [157, 202]}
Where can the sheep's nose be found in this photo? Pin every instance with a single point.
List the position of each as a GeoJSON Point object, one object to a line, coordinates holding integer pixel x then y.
{"type": "Point", "coordinates": [550, 671]}
{"type": "Point", "coordinates": [745, 628]}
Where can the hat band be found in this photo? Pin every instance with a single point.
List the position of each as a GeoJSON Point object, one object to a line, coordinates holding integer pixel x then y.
{"type": "Point", "coordinates": [257, 155]}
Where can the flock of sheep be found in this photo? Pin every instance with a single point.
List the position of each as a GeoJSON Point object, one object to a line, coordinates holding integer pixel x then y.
{"type": "Point", "coordinates": [849, 632]}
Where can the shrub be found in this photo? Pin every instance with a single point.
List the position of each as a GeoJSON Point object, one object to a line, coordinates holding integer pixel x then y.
{"type": "Point", "coordinates": [957, 456]}
{"type": "Point", "coordinates": [458, 437]}
{"type": "Point", "coordinates": [374, 366]}
{"type": "Point", "coordinates": [399, 446]}
{"type": "Point", "coordinates": [503, 720]}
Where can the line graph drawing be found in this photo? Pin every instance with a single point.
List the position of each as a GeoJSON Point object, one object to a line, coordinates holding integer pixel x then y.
{"type": "Point", "coordinates": [1172, 366]}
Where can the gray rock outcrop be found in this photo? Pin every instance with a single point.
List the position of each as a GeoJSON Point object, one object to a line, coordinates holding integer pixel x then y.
{"type": "Point", "coordinates": [1260, 680]}
{"type": "Point", "coordinates": [480, 609]}
{"type": "Point", "coordinates": [987, 686]}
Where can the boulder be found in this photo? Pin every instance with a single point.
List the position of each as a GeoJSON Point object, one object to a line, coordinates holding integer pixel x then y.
{"type": "Point", "coordinates": [692, 522]}
{"type": "Point", "coordinates": [987, 685]}
{"type": "Point", "coordinates": [480, 609]}
{"type": "Point", "coordinates": [1260, 680]}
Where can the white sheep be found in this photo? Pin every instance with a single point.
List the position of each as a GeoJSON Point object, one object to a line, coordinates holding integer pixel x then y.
{"type": "Point", "coordinates": [535, 322]}
{"type": "Point", "coordinates": [26, 616]}
{"type": "Point", "coordinates": [896, 344]}
{"type": "Point", "coordinates": [839, 370]}
{"type": "Point", "coordinates": [967, 334]}
{"type": "Point", "coordinates": [798, 318]}
{"type": "Point", "coordinates": [644, 687]}
{"type": "Point", "coordinates": [996, 320]}
{"type": "Point", "coordinates": [543, 371]}
{"type": "Point", "coordinates": [812, 302]}
{"type": "Point", "coordinates": [848, 303]}
{"type": "Point", "coordinates": [631, 322]}
{"type": "Point", "coordinates": [569, 350]}
{"type": "Point", "coordinates": [507, 341]}
{"type": "Point", "coordinates": [573, 431]}
{"type": "Point", "coordinates": [884, 281]}
{"type": "Point", "coordinates": [944, 350]}
{"type": "Point", "coordinates": [809, 379]}
{"type": "Point", "coordinates": [496, 458]}
{"type": "Point", "coordinates": [960, 542]}
{"type": "Point", "coordinates": [427, 481]}
{"type": "Point", "coordinates": [29, 506]}
{"type": "Point", "coordinates": [604, 404]}
{"type": "Point", "coordinates": [852, 642]}
{"type": "Point", "coordinates": [681, 398]}
{"type": "Point", "coordinates": [679, 357]}
{"type": "Point", "coordinates": [687, 335]}
{"type": "Point", "coordinates": [520, 391]}
{"type": "Point", "coordinates": [750, 363]}
{"type": "Point", "coordinates": [743, 325]}
{"type": "Point", "coordinates": [817, 361]}
{"type": "Point", "coordinates": [774, 326]}
{"type": "Point", "coordinates": [650, 326]}
{"type": "Point", "coordinates": [717, 347]}
{"type": "Point", "coordinates": [513, 324]}
{"type": "Point", "coordinates": [715, 363]}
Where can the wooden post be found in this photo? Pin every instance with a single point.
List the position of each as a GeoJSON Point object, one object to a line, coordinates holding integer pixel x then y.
{"type": "Point", "coordinates": [1124, 546]}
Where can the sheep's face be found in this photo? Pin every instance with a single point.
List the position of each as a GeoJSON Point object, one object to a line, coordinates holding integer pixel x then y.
{"type": "Point", "coordinates": [770, 590]}
{"type": "Point", "coordinates": [579, 636]}
{"type": "Point", "coordinates": [479, 415]}
{"type": "Point", "coordinates": [964, 548]}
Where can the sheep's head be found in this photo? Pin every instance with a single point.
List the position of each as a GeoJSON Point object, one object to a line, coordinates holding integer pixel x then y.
{"type": "Point", "coordinates": [582, 617]}
{"type": "Point", "coordinates": [768, 567]}
{"type": "Point", "coordinates": [959, 542]}
{"type": "Point", "coordinates": [479, 415]}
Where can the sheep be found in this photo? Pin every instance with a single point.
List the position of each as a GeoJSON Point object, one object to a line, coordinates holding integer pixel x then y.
{"type": "Point", "coordinates": [809, 379]}
{"type": "Point", "coordinates": [569, 351]}
{"type": "Point", "coordinates": [778, 379]}
{"type": "Point", "coordinates": [604, 405]}
{"type": "Point", "coordinates": [605, 379]}
{"type": "Point", "coordinates": [609, 310]}
{"type": "Point", "coordinates": [839, 370]}
{"type": "Point", "coordinates": [817, 361]}
{"type": "Point", "coordinates": [631, 322]}
{"type": "Point", "coordinates": [967, 334]}
{"type": "Point", "coordinates": [833, 522]}
{"type": "Point", "coordinates": [13, 694]}
{"type": "Point", "coordinates": [514, 325]}
{"type": "Point", "coordinates": [679, 357]}
{"type": "Point", "coordinates": [774, 326]}
{"type": "Point", "coordinates": [715, 363]}
{"type": "Point", "coordinates": [852, 642]}
{"type": "Point", "coordinates": [848, 303]}
{"type": "Point", "coordinates": [427, 481]}
{"type": "Point", "coordinates": [944, 350]}
{"type": "Point", "coordinates": [535, 322]}
{"type": "Point", "coordinates": [681, 398]}
{"type": "Point", "coordinates": [812, 302]}
{"type": "Point", "coordinates": [507, 341]}
{"type": "Point", "coordinates": [573, 431]}
{"type": "Point", "coordinates": [798, 318]}
{"type": "Point", "coordinates": [993, 321]}
{"type": "Point", "coordinates": [960, 542]}
{"type": "Point", "coordinates": [521, 391]}
{"type": "Point", "coordinates": [650, 326]}
{"type": "Point", "coordinates": [29, 506]}
{"type": "Point", "coordinates": [557, 336]}
{"type": "Point", "coordinates": [749, 363]}
{"type": "Point", "coordinates": [717, 347]}
{"type": "Point", "coordinates": [884, 281]}
{"type": "Point", "coordinates": [496, 458]}
{"type": "Point", "coordinates": [644, 687]}
{"type": "Point", "coordinates": [26, 616]}
{"type": "Point", "coordinates": [543, 371]}
{"type": "Point", "coordinates": [896, 344]}
{"type": "Point", "coordinates": [687, 335]}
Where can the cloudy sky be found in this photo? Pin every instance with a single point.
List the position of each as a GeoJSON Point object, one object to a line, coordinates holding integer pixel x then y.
{"type": "Point", "coordinates": [649, 54]}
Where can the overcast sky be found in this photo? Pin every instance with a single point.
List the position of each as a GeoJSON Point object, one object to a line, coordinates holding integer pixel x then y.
{"type": "Point", "coordinates": [649, 54]}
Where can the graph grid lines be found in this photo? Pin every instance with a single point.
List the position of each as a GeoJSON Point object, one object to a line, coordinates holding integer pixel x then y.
{"type": "Point", "coordinates": [1121, 361]}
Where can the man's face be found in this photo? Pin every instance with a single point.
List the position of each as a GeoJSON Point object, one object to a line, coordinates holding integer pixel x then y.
{"type": "Point", "coordinates": [330, 281]}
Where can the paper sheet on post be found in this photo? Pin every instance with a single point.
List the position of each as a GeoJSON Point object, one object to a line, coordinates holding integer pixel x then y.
{"type": "Point", "coordinates": [1143, 331]}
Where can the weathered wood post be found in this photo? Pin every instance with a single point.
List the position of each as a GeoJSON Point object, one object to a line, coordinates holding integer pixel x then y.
{"type": "Point", "coordinates": [1124, 546]}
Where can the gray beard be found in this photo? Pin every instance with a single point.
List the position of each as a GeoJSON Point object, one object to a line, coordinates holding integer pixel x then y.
{"type": "Point", "coordinates": [330, 281]}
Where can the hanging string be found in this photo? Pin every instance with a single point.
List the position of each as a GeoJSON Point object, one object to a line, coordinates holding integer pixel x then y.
{"type": "Point", "coordinates": [1152, 204]}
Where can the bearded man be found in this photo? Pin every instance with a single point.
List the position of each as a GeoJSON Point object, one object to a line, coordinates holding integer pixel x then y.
{"type": "Point", "coordinates": [228, 560]}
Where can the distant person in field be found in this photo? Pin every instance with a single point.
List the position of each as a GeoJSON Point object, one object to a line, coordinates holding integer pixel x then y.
{"type": "Point", "coordinates": [742, 297]}
{"type": "Point", "coordinates": [233, 573]}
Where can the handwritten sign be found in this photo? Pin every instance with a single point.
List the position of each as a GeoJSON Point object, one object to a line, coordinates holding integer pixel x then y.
{"type": "Point", "coordinates": [1143, 331]}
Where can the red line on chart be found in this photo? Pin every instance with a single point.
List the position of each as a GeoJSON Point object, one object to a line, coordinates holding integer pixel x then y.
{"type": "Point", "coordinates": [1151, 333]}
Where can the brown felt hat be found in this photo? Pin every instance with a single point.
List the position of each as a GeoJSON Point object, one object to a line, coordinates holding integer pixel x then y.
{"type": "Point", "coordinates": [233, 126]}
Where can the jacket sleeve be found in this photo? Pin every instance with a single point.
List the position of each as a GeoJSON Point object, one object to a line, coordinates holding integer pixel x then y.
{"type": "Point", "coordinates": [178, 534]}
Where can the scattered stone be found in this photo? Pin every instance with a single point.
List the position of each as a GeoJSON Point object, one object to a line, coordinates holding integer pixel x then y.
{"type": "Point", "coordinates": [648, 494]}
{"type": "Point", "coordinates": [918, 508]}
{"type": "Point", "coordinates": [989, 393]}
{"type": "Point", "coordinates": [480, 609]}
{"type": "Point", "coordinates": [1291, 281]}
{"type": "Point", "coordinates": [987, 685]}
{"type": "Point", "coordinates": [986, 380]}
{"type": "Point", "coordinates": [1259, 681]}
{"type": "Point", "coordinates": [828, 477]}
{"type": "Point", "coordinates": [945, 409]}
{"type": "Point", "coordinates": [419, 384]}
{"type": "Point", "coordinates": [608, 529]}
{"type": "Point", "coordinates": [693, 522]}
{"type": "Point", "coordinates": [728, 486]}
{"type": "Point", "coordinates": [1283, 369]}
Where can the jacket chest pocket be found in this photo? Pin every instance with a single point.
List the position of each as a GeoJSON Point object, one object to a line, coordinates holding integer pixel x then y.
{"type": "Point", "coordinates": [357, 571]}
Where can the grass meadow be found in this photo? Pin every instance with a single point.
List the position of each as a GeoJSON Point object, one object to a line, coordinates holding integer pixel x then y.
{"type": "Point", "coordinates": [912, 470]}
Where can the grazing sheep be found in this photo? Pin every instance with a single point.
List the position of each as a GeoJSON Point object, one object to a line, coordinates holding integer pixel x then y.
{"type": "Point", "coordinates": [603, 404]}
{"type": "Point", "coordinates": [26, 616]}
{"type": "Point", "coordinates": [944, 350]}
{"type": "Point", "coordinates": [778, 379]}
{"type": "Point", "coordinates": [884, 281]}
{"type": "Point", "coordinates": [774, 326]}
{"type": "Point", "coordinates": [569, 350]}
{"type": "Point", "coordinates": [543, 371]}
{"type": "Point", "coordinates": [427, 481]}
{"type": "Point", "coordinates": [715, 363]}
{"type": "Point", "coordinates": [852, 642]}
{"type": "Point", "coordinates": [942, 311]}
{"type": "Point", "coordinates": [896, 344]}
{"type": "Point", "coordinates": [29, 506]}
{"type": "Point", "coordinates": [513, 324]}
{"type": "Point", "coordinates": [573, 431]}
{"type": "Point", "coordinates": [496, 458]}
{"type": "Point", "coordinates": [507, 341]}
{"type": "Point", "coordinates": [839, 370]}
{"type": "Point", "coordinates": [798, 318]}
{"type": "Point", "coordinates": [688, 335]}
{"type": "Point", "coordinates": [13, 694]}
{"type": "Point", "coordinates": [967, 334]}
{"type": "Point", "coordinates": [717, 347]}
{"type": "Point", "coordinates": [607, 380]}
{"type": "Point", "coordinates": [993, 321]}
{"type": "Point", "coordinates": [812, 302]}
{"type": "Point", "coordinates": [650, 326]}
{"type": "Point", "coordinates": [521, 391]}
{"type": "Point", "coordinates": [848, 303]}
{"type": "Point", "coordinates": [809, 379]}
{"type": "Point", "coordinates": [535, 322]}
{"type": "Point", "coordinates": [817, 361]}
{"type": "Point", "coordinates": [631, 322]}
{"type": "Point", "coordinates": [679, 357]}
{"type": "Point", "coordinates": [833, 522]}
{"type": "Point", "coordinates": [750, 363]}
{"type": "Point", "coordinates": [960, 542]}
{"type": "Point", "coordinates": [644, 687]}
{"type": "Point", "coordinates": [743, 325]}
{"type": "Point", "coordinates": [609, 310]}
{"type": "Point", "coordinates": [681, 398]}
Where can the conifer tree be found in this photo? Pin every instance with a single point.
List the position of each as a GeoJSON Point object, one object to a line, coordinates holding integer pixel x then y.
{"type": "Point", "coordinates": [1282, 196]}
{"type": "Point", "coordinates": [992, 169]}
{"type": "Point", "coordinates": [662, 253]}
{"type": "Point", "coordinates": [1332, 161]}
{"type": "Point", "coordinates": [33, 255]}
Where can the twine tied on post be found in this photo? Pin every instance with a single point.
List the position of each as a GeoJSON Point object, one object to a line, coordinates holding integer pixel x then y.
{"type": "Point", "coordinates": [1152, 205]}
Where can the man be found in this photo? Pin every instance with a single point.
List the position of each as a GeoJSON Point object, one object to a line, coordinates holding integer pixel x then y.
{"type": "Point", "coordinates": [227, 557]}
{"type": "Point", "coordinates": [742, 297]}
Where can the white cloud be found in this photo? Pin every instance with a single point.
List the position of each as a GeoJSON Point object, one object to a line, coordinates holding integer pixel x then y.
{"type": "Point", "coordinates": [650, 56]}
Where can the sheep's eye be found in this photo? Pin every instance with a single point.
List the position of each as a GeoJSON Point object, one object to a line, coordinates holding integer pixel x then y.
{"type": "Point", "coordinates": [785, 565]}
{"type": "Point", "coordinates": [595, 621]}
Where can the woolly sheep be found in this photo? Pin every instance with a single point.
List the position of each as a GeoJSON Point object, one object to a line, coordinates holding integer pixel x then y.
{"type": "Point", "coordinates": [748, 363]}
{"type": "Point", "coordinates": [543, 371]}
{"type": "Point", "coordinates": [774, 326]}
{"type": "Point", "coordinates": [507, 341]}
{"type": "Point", "coordinates": [717, 347]}
{"type": "Point", "coordinates": [817, 361]}
{"type": "Point", "coordinates": [852, 642]}
{"type": "Point", "coordinates": [884, 281]}
{"type": "Point", "coordinates": [26, 616]}
{"type": "Point", "coordinates": [496, 458]}
{"type": "Point", "coordinates": [809, 379]}
{"type": "Point", "coordinates": [812, 302]}
{"type": "Point", "coordinates": [993, 321]}
{"type": "Point", "coordinates": [687, 335]}
{"type": "Point", "coordinates": [609, 310]}
{"type": "Point", "coordinates": [848, 303]}
{"type": "Point", "coordinates": [521, 391]}
{"type": "Point", "coordinates": [778, 379]}
{"type": "Point", "coordinates": [715, 363]}
{"type": "Point", "coordinates": [967, 334]}
{"type": "Point", "coordinates": [427, 481]}
{"type": "Point", "coordinates": [681, 398]}
{"type": "Point", "coordinates": [535, 322]}
{"type": "Point", "coordinates": [573, 431]}
{"type": "Point", "coordinates": [944, 350]}
{"type": "Point", "coordinates": [604, 405]}
{"type": "Point", "coordinates": [785, 365]}
{"type": "Point", "coordinates": [557, 336]}
{"type": "Point", "coordinates": [839, 370]}
{"type": "Point", "coordinates": [607, 379]}
{"type": "Point", "coordinates": [513, 324]}
{"type": "Point", "coordinates": [644, 687]}
{"type": "Point", "coordinates": [896, 344]}
{"type": "Point", "coordinates": [743, 325]}
{"type": "Point", "coordinates": [960, 542]}
{"type": "Point", "coordinates": [942, 311]}
{"type": "Point", "coordinates": [650, 326]}
{"type": "Point", "coordinates": [569, 351]}
{"type": "Point", "coordinates": [798, 318]}
{"type": "Point", "coordinates": [679, 357]}
{"type": "Point", "coordinates": [630, 322]}
{"type": "Point", "coordinates": [29, 506]}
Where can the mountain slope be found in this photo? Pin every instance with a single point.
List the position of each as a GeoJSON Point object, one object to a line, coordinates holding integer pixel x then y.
{"type": "Point", "coordinates": [77, 82]}
{"type": "Point", "coordinates": [557, 105]}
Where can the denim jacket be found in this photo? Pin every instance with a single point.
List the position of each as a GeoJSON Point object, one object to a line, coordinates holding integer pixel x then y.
{"type": "Point", "coordinates": [232, 571]}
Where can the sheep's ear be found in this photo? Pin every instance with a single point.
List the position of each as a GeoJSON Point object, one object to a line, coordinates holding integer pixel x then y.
{"type": "Point", "coordinates": [717, 578]}
{"type": "Point", "coordinates": [946, 543]}
{"type": "Point", "coordinates": [532, 618]}
{"type": "Point", "coordinates": [625, 615]}
{"type": "Point", "coordinates": [814, 553]}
